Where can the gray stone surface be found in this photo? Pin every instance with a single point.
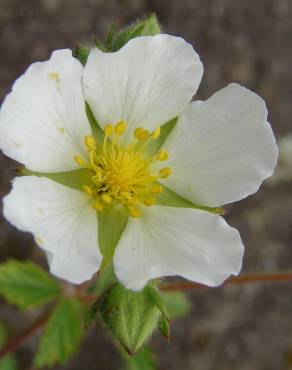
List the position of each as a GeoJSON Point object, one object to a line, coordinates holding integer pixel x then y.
{"type": "Point", "coordinates": [230, 328]}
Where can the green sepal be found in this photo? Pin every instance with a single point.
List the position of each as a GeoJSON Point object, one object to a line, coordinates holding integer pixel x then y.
{"type": "Point", "coordinates": [147, 26]}
{"type": "Point", "coordinates": [81, 53]}
{"type": "Point", "coordinates": [177, 304]}
{"type": "Point", "coordinates": [142, 360]}
{"type": "Point", "coordinates": [154, 145]}
{"type": "Point", "coordinates": [97, 131]}
{"type": "Point", "coordinates": [104, 280]}
{"type": "Point", "coordinates": [8, 362]}
{"type": "Point", "coordinates": [73, 179]}
{"type": "Point", "coordinates": [164, 327]}
{"type": "Point", "coordinates": [131, 317]}
{"type": "Point", "coordinates": [26, 284]}
{"type": "Point", "coordinates": [111, 223]}
{"type": "Point", "coordinates": [169, 198]}
{"type": "Point", "coordinates": [62, 334]}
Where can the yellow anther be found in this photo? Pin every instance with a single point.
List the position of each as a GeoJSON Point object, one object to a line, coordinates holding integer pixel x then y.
{"type": "Point", "coordinates": [162, 155]}
{"type": "Point", "coordinates": [156, 133]}
{"type": "Point", "coordinates": [90, 142]}
{"type": "Point", "coordinates": [79, 160]}
{"type": "Point", "coordinates": [135, 212]}
{"type": "Point", "coordinates": [165, 172]}
{"type": "Point", "coordinates": [141, 134]}
{"type": "Point", "coordinates": [107, 199]}
{"type": "Point", "coordinates": [108, 129]}
{"type": "Point", "coordinates": [120, 127]}
{"type": "Point", "coordinates": [156, 189]}
{"type": "Point", "coordinates": [97, 206]}
{"type": "Point", "coordinates": [87, 189]}
{"type": "Point", "coordinates": [149, 202]}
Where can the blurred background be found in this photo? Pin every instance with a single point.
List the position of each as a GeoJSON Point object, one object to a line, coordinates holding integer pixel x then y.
{"type": "Point", "coordinates": [230, 328]}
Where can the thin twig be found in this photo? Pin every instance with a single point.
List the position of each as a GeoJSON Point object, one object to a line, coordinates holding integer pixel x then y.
{"type": "Point", "coordinates": [16, 342]}
{"type": "Point", "coordinates": [242, 279]}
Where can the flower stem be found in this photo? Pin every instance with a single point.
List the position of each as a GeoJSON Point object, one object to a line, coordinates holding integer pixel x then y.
{"type": "Point", "coordinates": [242, 279]}
{"type": "Point", "coordinates": [16, 342]}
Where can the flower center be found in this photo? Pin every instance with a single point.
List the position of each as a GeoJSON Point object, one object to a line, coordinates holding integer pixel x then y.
{"type": "Point", "coordinates": [123, 172]}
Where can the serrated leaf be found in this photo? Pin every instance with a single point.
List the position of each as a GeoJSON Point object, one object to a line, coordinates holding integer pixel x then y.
{"type": "Point", "coordinates": [177, 304]}
{"type": "Point", "coordinates": [26, 284]}
{"type": "Point", "coordinates": [8, 362]}
{"type": "Point", "coordinates": [73, 179]}
{"type": "Point", "coordinates": [116, 215]}
{"type": "Point", "coordinates": [142, 360]}
{"type": "Point", "coordinates": [130, 316]}
{"type": "Point", "coordinates": [147, 26]}
{"type": "Point", "coordinates": [62, 334]}
{"type": "Point", "coordinates": [169, 198]}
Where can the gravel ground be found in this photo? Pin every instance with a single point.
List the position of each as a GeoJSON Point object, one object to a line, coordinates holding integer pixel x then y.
{"type": "Point", "coordinates": [231, 328]}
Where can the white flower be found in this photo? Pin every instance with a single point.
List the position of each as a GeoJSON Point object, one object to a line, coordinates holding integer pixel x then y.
{"type": "Point", "coordinates": [219, 151]}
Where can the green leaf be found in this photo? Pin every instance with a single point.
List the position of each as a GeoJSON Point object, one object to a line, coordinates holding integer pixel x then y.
{"type": "Point", "coordinates": [169, 198]}
{"type": "Point", "coordinates": [142, 360]}
{"type": "Point", "coordinates": [147, 26]}
{"type": "Point", "coordinates": [8, 362]}
{"type": "Point", "coordinates": [62, 334]}
{"type": "Point", "coordinates": [130, 316]}
{"type": "Point", "coordinates": [116, 215]}
{"type": "Point", "coordinates": [73, 179]}
{"type": "Point", "coordinates": [154, 145]}
{"type": "Point", "coordinates": [164, 327]}
{"type": "Point", "coordinates": [27, 285]}
{"type": "Point", "coordinates": [97, 131]}
{"type": "Point", "coordinates": [177, 304]}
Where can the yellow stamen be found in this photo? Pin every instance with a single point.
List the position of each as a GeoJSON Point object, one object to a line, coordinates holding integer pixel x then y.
{"type": "Point", "coordinates": [88, 190]}
{"type": "Point", "coordinates": [156, 133]}
{"type": "Point", "coordinates": [90, 142]}
{"type": "Point", "coordinates": [106, 198]}
{"type": "Point", "coordinates": [156, 189]}
{"type": "Point", "coordinates": [79, 160]}
{"type": "Point", "coordinates": [108, 129]}
{"type": "Point", "coordinates": [123, 172]}
{"type": "Point", "coordinates": [135, 212]}
{"type": "Point", "coordinates": [149, 202]}
{"type": "Point", "coordinates": [120, 127]}
{"type": "Point", "coordinates": [141, 134]}
{"type": "Point", "coordinates": [162, 155]}
{"type": "Point", "coordinates": [165, 172]}
{"type": "Point", "coordinates": [97, 206]}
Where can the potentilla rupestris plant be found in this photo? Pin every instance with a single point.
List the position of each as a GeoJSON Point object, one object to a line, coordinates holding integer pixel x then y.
{"type": "Point", "coordinates": [122, 167]}
{"type": "Point", "coordinates": [218, 151]}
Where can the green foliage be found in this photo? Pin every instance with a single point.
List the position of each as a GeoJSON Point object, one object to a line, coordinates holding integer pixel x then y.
{"type": "Point", "coordinates": [177, 304]}
{"type": "Point", "coordinates": [130, 316]}
{"type": "Point", "coordinates": [169, 198]}
{"type": "Point", "coordinates": [26, 285]}
{"type": "Point", "coordinates": [8, 362]}
{"type": "Point", "coordinates": [73, 179]}
{"type": "Point", "coordinates": [142, 360]}
{"type": "Point", "coordinates": [147, 26]}
{"type": "Point", "coordinates": [116, 215]}
{"type": "Point", "coordinates": [62, 334]}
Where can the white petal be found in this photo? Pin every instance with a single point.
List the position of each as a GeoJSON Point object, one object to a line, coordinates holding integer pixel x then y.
{"type": "Point", "coordinates": [43, 120]}
{"type": "Point", "coordinates": [62, 221]}
{"type": "Point", "coordinates": [168, 241]}
{"type": "Point", "coordinates": [222, 149]}
{"type": "Point", "coordinates": [147, 82]}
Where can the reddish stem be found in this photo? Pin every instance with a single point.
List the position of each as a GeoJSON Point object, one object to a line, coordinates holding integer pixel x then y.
{"type": "Point", "coordinates": [242, 279]}
{"type": "Point", "coordinates": [14, 343]}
